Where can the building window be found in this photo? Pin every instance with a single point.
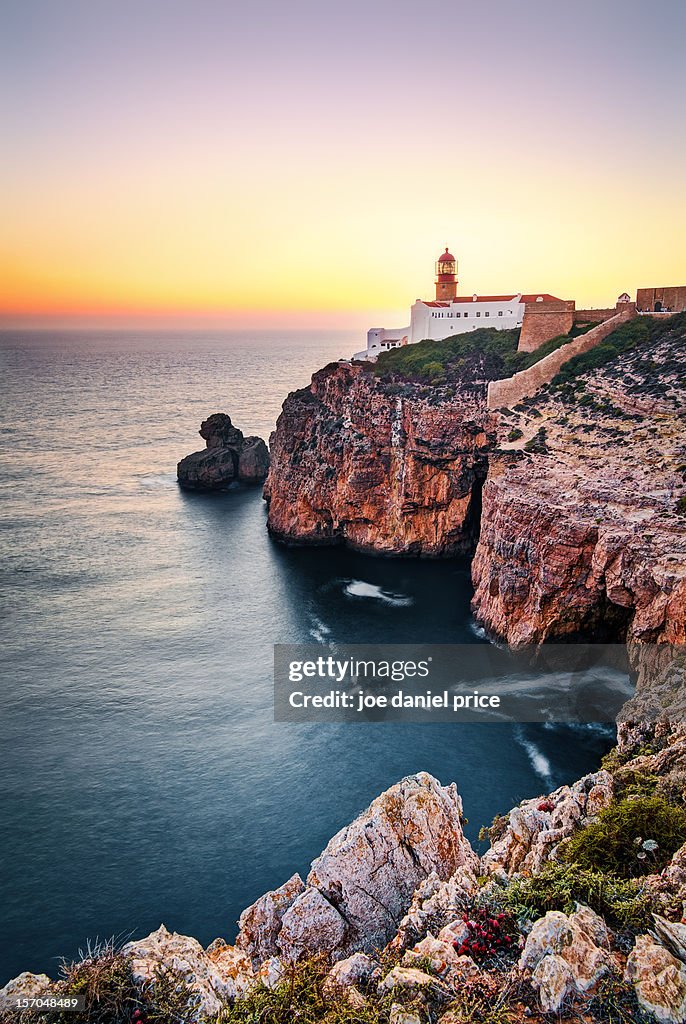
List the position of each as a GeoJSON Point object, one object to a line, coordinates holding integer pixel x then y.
{"type": "Point", "coordinates": [466, 314]}
{"type": "Point", "coordinates": [487, 313]}
{"type": "Point", "coordinates": [500, 312]}
{"type": "Point", "coordinates": [458, 314]}
{"type": "Point", "coordinates": [478, 314]}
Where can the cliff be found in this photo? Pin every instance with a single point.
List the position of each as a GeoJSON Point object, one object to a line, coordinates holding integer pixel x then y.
{"type": "Point", "coordinates": [573, 495]}
{"type": "Point", "coordinates": [583, 529]}
{"type": "Point", "coordinates": [574, 910]}
{"type": "Point", "coordinates": [394, 468]}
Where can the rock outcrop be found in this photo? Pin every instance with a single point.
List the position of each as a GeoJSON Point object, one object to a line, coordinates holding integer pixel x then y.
{"type": "Point", "coordinates": [360, 887]}
{"type": "Point", "coordinates": [25, 986]}
{"type": "Point", "coordinates": [534, 830]}
{"type": "Point", "coordinates": [581, 531]}
{"type": "Point", "coordinates": [659, 978]}
{"type": "Point", "coordinates": [228, 458]}
{"type": "Point", "coordinates": [566, 956]}
{"type": "Point", "coordinates": [385, 467]}
{"type": "Point", "coordinates": [211, 976]}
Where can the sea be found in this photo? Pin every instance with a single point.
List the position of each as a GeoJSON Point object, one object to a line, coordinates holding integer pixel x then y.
{"type": "Point", "coordinates": [143, 778]}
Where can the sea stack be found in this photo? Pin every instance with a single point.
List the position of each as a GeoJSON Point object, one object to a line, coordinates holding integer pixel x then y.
{"type": "Point", "coordinates": [228, 458]}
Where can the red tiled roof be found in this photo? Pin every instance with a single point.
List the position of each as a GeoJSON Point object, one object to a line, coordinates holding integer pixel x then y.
{"type": "Point", "coordinates": [545, 296]}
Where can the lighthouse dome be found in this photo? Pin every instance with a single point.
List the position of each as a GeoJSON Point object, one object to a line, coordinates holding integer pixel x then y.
{"type": "Point", "coordinates": [446, 257]}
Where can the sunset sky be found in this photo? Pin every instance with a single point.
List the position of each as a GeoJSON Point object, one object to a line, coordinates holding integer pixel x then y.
{"type": "Point", "coordinates": [305, 163]}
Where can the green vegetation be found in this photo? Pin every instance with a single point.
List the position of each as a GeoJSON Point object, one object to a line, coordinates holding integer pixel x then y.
{"type": "Point", "coordinates": [300, 998]}
{"type": "Point", "coordinates": [104, 976]}
{"type": "Point", "coordinates": [681, 506]}
{"type": "Point", "coordinates": [537, 444]}
{"type": "Point", "coordinates": [631, 837]}
{"type": "Point", "coordinates": [615, 1002]}
{"type": "Point", "coordinates": [481, 355]}
{"type": "Point", "coordinates": [637, 332]}
{"type": "Point", "coordinates": [515, 434]}
{"type": "Point", "coordinates": [624, 903]}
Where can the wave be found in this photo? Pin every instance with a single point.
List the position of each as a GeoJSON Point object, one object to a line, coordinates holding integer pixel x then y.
{"type": "Point", "coordinates": [370, 591]}
{"type": "Point", "coordinates": [539, 762]}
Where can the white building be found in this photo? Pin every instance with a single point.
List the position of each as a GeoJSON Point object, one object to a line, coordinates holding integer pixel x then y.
{"type": "Point", "coordinates": [450, 314]}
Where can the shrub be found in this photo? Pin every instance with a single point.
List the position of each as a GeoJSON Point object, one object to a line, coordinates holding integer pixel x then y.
{"type": "Point", "coordinates": [673, 787]}
{"type": "Point", "coordinates": [621, 840]}
{"type": "Point", "coordinates": [681, 506]}
{"type": "Point", "coordinates": [489, 934]}
{"type": "Point", "coordinates": [515, 434]}
{"type": "Point", "coordinates": [623, 903]}
{"type": "Point", "coordinates": [299, 998]}
{"type": "Point", "coordinates": [537, 445]}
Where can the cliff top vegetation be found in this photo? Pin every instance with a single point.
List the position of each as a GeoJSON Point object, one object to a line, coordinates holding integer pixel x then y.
{"type": "Point", "coordinates": [645, 355]}
{"type": "Point", "coordinates": [478, 356]}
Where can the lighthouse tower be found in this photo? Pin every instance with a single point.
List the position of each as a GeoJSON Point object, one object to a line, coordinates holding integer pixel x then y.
{"type": "Point", "coordinates": [446, 277]}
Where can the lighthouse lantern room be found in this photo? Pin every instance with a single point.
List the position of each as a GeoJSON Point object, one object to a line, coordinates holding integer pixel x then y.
{"type": "Point", "coordinates": [446, 277]}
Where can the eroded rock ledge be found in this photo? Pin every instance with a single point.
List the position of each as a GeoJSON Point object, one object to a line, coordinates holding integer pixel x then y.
{"type": "Point", "coordinates": [581, 528]}
{"type": "Point", "coordinates": [383, 467]}
{"type": "Point", "coordinates": [573, 495]}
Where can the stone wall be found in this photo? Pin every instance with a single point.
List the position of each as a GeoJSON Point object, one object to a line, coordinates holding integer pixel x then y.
{"type": "Point", "coordinates": [506, 393]}
{"type": "Point", "coordinates": [593, 316]}
{"type": "Point", "coordinates": [669, 299]}
{"type": "Point", "coordinates": [543, 321]}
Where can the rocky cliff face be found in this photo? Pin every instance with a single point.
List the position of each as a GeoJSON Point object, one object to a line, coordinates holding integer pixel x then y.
{"type": "Point", "coordinates": [385, 467]}
{"type": "Point", "coordinates": [581, 530]}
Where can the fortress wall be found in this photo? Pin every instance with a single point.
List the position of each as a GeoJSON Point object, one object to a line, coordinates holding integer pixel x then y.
{"type": "Point", "coordinates": [593, 316]}
{"type": "Point", "coordinates": [542, 321]}
{"type": "Point", "coordinates": [672, 299]}
{"type": "Point", "coordinates": [506, 393]}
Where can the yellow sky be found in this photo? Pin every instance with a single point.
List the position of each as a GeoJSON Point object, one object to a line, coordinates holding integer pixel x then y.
{"type": "Point", "coordinates": [287, 193]}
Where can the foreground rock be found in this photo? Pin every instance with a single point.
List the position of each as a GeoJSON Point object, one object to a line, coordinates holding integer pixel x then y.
{"type": "Point", "coordinates": [659, 978]}
{"type": "Point", "coordinates": [382, 467]}
{"type": "Point", "coordinates": [362, 884]}
{"type": "Point", "coordinates": [25, 986]}
{"type": "Point", "coordinates": [566, 956]}
{"type": "Point", "coordinates": [532, 832]}
{"type": "Point", "coordinates": [212, 976]}
{"type": "Point", "coordinates": [228, 458]}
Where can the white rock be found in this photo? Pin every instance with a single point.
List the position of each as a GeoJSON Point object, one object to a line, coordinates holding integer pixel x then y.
{"type": "Point", "coordinates": [354, 971]}
{"type": "Point", "coordinates": [440, 953]}
{"type": "Point", "coordinates": [573, 939]}
{"type": "Point", "coordinates": [406, 977]}
{"type": "Point", "coordinates": [532, 835]}
{"type": "Point", "coordinates": [399, 1015]}
{"type": "Point", "coordinates": [260, 923]}
{"type": "Point", "coordinates": [271, 973]}
{"type": "Point", "coordinates": [25, 986]}
{"type": "Point", "coordinates": [456, 932]}
{"type": "Point", "coordinates": [435, 904]}
{"type": "Point", "coordinates": [659, 979]}
{"type": "Point", "coordinates": [214, 977]}
{"type": "Point", "coordinates": [364, 880]}
{"type": "Point", "coordinates": [593, 924]}
{"type": "Point", "coordinates": [671, 935]}
{"type": "Point", "coordinates": [310, 925]}
{"type": "Point", "coordinates": [553, 979]}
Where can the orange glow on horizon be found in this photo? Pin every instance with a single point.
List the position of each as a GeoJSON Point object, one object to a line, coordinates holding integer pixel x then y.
{"type": "Point", "coordinates": [293, 177]}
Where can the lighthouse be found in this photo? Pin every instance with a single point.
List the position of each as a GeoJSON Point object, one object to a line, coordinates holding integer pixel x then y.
{"type": "Point", "coordinates": [449, 314]}
{"type": "Point", "coordinates": [446, 277]}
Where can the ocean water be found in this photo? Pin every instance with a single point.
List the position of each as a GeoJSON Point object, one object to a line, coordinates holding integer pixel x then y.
{"type": "Point", "coordinates": [143, 779]}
